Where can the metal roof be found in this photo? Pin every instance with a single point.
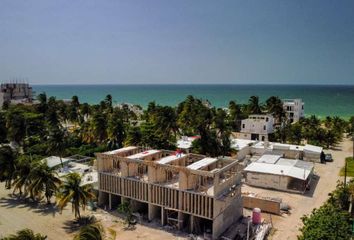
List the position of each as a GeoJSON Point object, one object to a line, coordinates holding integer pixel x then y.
{"type": "Point", "coordinates": [269, 158]}
{"type": "Point", "coordinates": [285, 167]}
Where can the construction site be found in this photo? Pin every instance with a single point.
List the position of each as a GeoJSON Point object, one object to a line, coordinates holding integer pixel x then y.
{"type": "Point", "coordinates": [189, 192]}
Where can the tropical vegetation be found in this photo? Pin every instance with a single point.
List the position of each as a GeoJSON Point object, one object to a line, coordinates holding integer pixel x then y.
{"type": "Point", "coordinates": [332, 220]}
{"type": "Point", "coordinates": [25, 234]}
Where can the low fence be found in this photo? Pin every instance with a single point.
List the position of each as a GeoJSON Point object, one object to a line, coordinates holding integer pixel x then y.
{"type": "Point", "coordinates": [265, 204]}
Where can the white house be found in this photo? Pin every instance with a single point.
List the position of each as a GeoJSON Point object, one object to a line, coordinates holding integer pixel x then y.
{"type": "Point", "coordinates": [275, 172]}
{"type": "Point", "coordinates": [294, 109]}
{"type": "Point", "coordinates": [257, 127]}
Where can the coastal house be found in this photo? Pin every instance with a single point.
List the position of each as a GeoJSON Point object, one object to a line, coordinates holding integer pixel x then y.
{"type": "Point", "coordinates": [276, 172]}
{"type": "Point", "coordinates": [294, 109]}
{"type": "Point", "coordinates": [15, 93]}
{"type": "Point", "coordinates": [247, 148]}
{"type": "Point", "coordinates": [188, 192]}
{"type": "Point", "coordinates": [68, 165]}
{"type": "Point", "coordinates": [257, 127]}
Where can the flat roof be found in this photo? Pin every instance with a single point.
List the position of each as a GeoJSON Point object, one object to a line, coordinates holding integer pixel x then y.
{"type": "Point", "coordinates": [285, 167]}
{"type": "Point", "coordinates": [170, 158]}
{"type": "Point", "coordinates": [143, 154]}
{"type": "Point", "coordinates": [312, 148]}
{"type": "Point", "coordinates": [124, 149]}
{"type": "Point", "coordinates": [202, 163]}
{"type": "Point", "coordinates": [239, 144]}
{"type": "Point", "coordinates": [269, 158]}
{"type": "Point", "coordinates": [54, 161]}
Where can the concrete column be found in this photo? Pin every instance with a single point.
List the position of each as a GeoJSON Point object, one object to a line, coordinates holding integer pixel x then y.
{"type": "Point", "coordinates": [191, 224]}
{"type": "Point", "coordinates": [183, 180]}
{"type": "Point", "coordinates": [180, 220]}
{"type": "Point", "coordinates": [102, 198]}
{"type": "Point", "coordinates": [153, 212]}
{"type": "Point", "coordinates": [151, 174]}
{"type": "Point", "coordinates": [110, 201]}
{"type": "Point", "coordinates": [163, 216]}
{"type": "Point", "coordinates": [124, 169]}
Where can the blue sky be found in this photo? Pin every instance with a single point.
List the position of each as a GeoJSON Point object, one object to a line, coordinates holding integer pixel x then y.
{"type": "Point", "coordinates": [180, 41]}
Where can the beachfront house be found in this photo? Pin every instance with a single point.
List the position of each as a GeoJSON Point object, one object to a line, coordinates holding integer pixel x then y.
{"type": "Point", "coordinates": [294, 109]}
{"type": "Point", "coordinates": [257, 127]}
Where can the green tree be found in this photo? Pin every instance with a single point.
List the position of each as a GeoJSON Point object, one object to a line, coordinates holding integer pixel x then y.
{"type": "Point", "coordinates": [73, 191]}
{"type": "Point", "coordinates": [235, 116]}
{"type": "Point", "coordinates": [7, 165]}
{"type": "Point", "coordinates": [134, 136]}
{"type": "Point", "coordinates": [329, 222]}
{"type": "Point", "coordinates": [116, 130]}
{"type": "Point", "coordinates": [99, 126]}
{"type": "Point", "coordinates": [25, 234]}
{"type": "Point", "coordinates": [56, 142]}
{"type": "Point", "coordinates": [3, 129]}
{"type": "Point", "coordinates": [43, 180]}
{"type": "Point", "coordinates": [22, 174]}
{"type": "Point", "coordinates": [42, 105]}
{"type": "Point", "coordinates": [52, 117]}
{"type": "Point", "coordinates": [254, 106]}
{"type": "Point", "coordinates": [91, 232]}
{"type": "Point", "coordinates": [274, 106]}
{"type": "Point", "coordinates": [15, 123]}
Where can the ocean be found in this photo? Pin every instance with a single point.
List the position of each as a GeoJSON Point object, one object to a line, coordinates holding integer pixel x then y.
{"type": "Point", "coordinates": [320, 100]}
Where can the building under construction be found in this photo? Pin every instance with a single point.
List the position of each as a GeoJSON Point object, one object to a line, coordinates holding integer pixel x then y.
{"type": "Point", "coordinates": [15, 92]}
{"type": "Point", "coordinates": [190, 192]}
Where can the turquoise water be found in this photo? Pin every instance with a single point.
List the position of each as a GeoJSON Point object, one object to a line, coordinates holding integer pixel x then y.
{"type": "Point", "coordinates": [321, 100]}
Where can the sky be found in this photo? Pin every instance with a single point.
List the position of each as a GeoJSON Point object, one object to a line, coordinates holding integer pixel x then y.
{"type": "Point", "coordinates": [177, 41]}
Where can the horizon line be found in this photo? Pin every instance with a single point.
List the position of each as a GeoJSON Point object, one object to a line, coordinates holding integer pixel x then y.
{"type": "Point", "coordinates": [193, 84]}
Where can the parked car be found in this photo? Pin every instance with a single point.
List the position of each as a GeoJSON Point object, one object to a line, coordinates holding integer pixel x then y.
{"type": "Point", "coordinates": [328, 157]}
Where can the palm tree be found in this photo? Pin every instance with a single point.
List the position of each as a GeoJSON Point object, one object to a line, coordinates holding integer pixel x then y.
{"type": "Point", "coordinates": [99, 126]}
{"type": "Point", "coordinates": [44, 179]}
{"type": "Point", "coordinates": [7, 165]}
{"type": "Point", "coordinates": [42, 105]}
{"type": "Point", "coordinates": [274, 105]}
{"type": "Point", "coordinates": [56, 142]}
{"type": "Point", "coordinates": [25, 234]}
{"type": "Point", "coordinates": [72, 191]}
{"type": "Point", "coordinates": [91, 232]}
{"type": "Point", "coordinates": [254, 106]}
{"type": "Point", "coordinates": [115, 130]}
{"type": "Point", "coordinates": [22, 174]}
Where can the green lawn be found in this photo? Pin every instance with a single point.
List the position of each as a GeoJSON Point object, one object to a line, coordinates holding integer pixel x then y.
{"type": "Point", "coordinates": [350, 167]}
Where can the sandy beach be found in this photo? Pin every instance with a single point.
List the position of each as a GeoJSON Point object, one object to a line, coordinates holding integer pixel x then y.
{"type": "Point", "coordinates": [16, 214]}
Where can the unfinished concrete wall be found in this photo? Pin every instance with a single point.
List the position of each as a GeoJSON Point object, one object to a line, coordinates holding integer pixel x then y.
{"type": "Point", "coordinates": [312, 157]}
{"type": "Point", "coordinates": [230, 211]}
{"type": "Point", "coordinates": [267, 180]}
{"type": "Point", "coordinates": [241, 154]}
{"type": "Point", "coordinates": [266, 205]}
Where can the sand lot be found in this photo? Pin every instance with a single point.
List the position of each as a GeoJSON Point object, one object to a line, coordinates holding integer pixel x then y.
{"type": "Point", "coordinates": [287, 225]}
{"type": "Point", "coordinates": [16, 214]}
